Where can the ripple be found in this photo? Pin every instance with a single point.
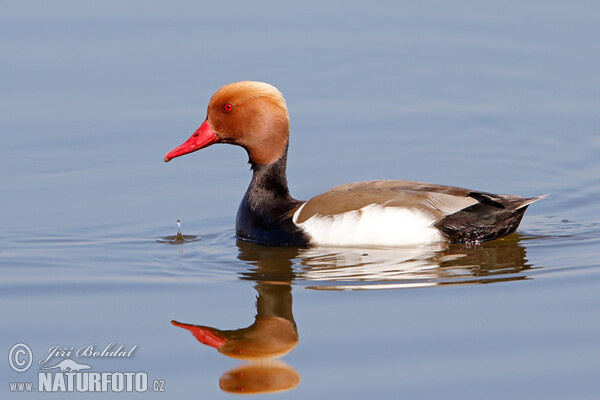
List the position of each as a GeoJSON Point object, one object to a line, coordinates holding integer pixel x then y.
{"type": "Point", "coordinates": [218, 255]}
{"type": "Point", "coordinates": [180, 239]}
{"type": "Point", "coordinates": [214, 254]}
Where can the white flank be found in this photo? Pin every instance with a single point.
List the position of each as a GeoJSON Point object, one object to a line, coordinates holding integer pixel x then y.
{"type": "Point", "coordinates": [373, 225]}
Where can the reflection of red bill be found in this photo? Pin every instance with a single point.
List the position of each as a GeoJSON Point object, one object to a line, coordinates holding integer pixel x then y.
{"type": "Point", "coordinates": [204, 334]}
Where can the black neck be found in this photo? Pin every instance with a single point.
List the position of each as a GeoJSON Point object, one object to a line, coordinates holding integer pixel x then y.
{"type": "Point", "coordinates": [265, 212]}
{"type": "Point", "coordinates": [268, 187]}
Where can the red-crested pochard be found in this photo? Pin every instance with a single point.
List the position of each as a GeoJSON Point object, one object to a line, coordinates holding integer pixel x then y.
{"type": "Point", "coordinates": [254, 115]}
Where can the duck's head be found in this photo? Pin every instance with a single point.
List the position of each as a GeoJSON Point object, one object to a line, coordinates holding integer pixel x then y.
{"type": "Point", "coordinates": [249, 114]}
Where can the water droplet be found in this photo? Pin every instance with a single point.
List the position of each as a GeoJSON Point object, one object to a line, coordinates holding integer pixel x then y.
{"type": "Point", "coordinates": [179, 238]}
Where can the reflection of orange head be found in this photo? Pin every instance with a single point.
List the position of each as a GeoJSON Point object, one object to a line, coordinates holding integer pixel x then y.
{"type": "Point", "coordinates": [268, 337]}
{"type": "Point", "coordinates": [266, 377]}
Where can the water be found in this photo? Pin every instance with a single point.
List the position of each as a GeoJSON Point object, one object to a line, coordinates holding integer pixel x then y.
{"type": "Point", "coordinates": [501, 98]}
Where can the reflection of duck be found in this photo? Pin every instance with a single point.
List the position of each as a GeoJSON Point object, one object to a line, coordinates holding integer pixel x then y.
{"type": "Point", "coordinates": [354, 268]}
{"type": "Point", "coordinates": [273, 334]}
{"type": "Point", "coordinates": [496, 261]}
{"type": "Point", "coordinates": [268, 263]}
{"type": "Point", "coordinates": [254, 115]}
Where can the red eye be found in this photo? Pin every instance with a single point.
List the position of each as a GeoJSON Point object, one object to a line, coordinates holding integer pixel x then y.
{"type": "Point", "coordinates": [228, 107]}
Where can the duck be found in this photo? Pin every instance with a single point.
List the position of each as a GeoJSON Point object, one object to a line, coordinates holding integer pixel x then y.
{"type": "Point", "coordinates": [254, 115]}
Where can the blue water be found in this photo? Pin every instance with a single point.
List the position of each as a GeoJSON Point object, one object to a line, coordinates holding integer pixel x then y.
{"type": "Point", "coordinates": [497, 97]}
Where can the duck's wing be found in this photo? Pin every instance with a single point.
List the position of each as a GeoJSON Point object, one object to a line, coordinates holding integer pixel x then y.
{"type": "Point", "coordinates": [463, 215]}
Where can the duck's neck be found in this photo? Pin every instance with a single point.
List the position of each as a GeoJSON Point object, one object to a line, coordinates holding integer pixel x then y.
{"type": "Point", "coordinates": [265, 212]}
{"type": "Point", "coordinates": [269, 185]}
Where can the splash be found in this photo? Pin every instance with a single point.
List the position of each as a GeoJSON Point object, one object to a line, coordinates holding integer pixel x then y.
{"type": "Point", "coordinates": [179, 238]}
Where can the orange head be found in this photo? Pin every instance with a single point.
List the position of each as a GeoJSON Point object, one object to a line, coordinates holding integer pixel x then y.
{"type": "Point", "coordinates": [250, 114]}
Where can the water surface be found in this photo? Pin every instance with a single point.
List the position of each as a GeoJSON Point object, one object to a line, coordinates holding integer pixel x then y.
{"type": "Point", "coordinates": [501, 98]}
